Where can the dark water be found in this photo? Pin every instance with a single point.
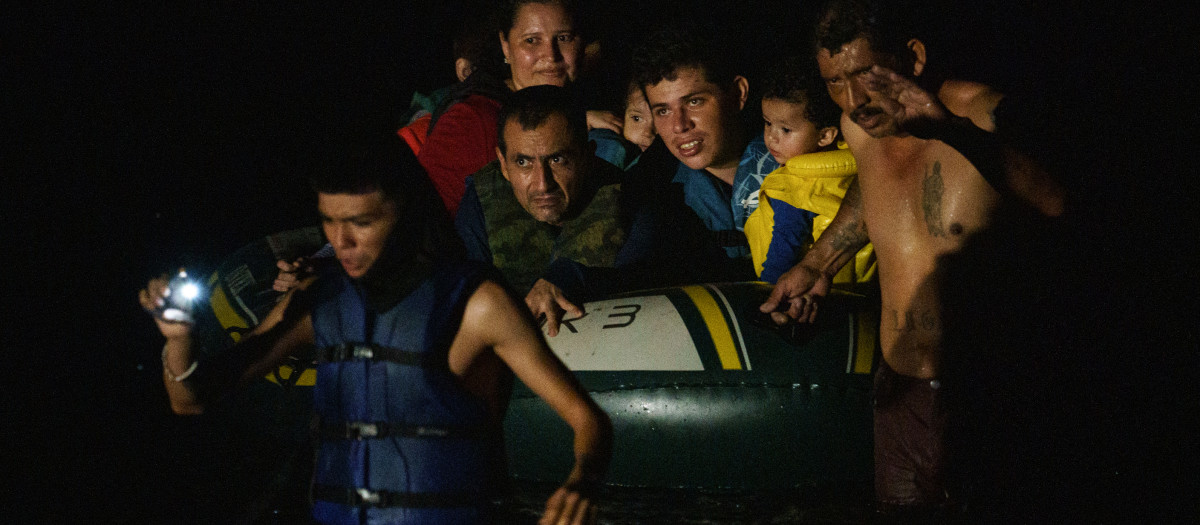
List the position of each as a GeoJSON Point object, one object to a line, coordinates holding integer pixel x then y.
{"type": "Point", "coordinates": [620, 505]}
{"type": "Point", "coordinates": [631, 506]}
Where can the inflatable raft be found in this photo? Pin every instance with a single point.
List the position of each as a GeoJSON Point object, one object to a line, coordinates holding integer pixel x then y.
{"type": "Point", "coordinates": [701, 391]}
{"type": "Point", "coordinates": [704, 394]}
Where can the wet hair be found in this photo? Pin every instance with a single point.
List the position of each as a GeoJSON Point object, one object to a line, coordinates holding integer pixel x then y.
{"type": "Point", "coordinates": [383, 162]}
{"type": "Point", "coordinates": [531, 107]}
{"type": "Point", "coordinates": [886, 24]}
{"type": "Point", "coordinates": [794, 79]}
{"type": "Point", "coordinates": [364, 165]}
{"type": "Point", "coordinates": [683, 44]}
{"type": "Point", "coordinates": [506, 16]}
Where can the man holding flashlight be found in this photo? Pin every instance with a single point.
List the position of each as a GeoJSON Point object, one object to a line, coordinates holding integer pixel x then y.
{"type": "Point", "coordinates": [415, 350]}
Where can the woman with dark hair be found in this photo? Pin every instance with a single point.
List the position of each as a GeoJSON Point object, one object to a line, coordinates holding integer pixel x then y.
{"type": "Point", "coordinates": [542, 44]}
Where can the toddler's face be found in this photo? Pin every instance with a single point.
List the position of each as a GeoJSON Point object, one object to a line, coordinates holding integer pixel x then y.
{"type": "Point", "coordinates": [787, 131]}
{"type": "Point", "coordinates": [639, 126]}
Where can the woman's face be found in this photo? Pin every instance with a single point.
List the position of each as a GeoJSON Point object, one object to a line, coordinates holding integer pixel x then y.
{"type": "Point", "coordinates": [542, 46]}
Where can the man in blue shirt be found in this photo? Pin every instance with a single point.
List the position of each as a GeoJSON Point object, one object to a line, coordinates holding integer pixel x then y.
{"type": "Point", "coordinates": [696, 98]}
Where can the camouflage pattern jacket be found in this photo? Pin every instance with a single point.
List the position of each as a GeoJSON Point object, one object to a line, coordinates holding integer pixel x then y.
{"type": "Point", "coordinates": [522, 247]}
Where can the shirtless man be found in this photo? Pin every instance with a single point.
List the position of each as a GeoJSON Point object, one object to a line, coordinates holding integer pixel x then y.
{"type": "Point", "coordinates": [415, 352]}
{"type": "Point", "coordinates": [921, 142]}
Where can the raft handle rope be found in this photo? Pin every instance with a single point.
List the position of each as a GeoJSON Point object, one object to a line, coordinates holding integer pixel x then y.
{"type": "Point", "coordinates": [177, 378]}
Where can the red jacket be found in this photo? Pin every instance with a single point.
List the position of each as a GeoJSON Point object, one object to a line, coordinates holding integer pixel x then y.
{"type": "Point", "coordinates": [414, 134]}
{"type": "Point", "coordinates": [461, 143]}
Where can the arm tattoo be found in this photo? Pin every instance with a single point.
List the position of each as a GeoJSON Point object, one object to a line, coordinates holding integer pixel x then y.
{"type": "Point", "coordinates": [854, 231]}
{"type": "Point", "coordinates": [931, 200]}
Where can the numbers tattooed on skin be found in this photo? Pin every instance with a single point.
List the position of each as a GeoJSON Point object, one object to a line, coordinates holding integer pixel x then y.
{"type": "Point", "coordinates": [913, 320]}
{"type": "Point", "coordinates": [931, 199]}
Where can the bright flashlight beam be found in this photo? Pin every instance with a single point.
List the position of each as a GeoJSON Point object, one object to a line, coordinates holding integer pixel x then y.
{"type": "Point", "coordinates": [189, 291]}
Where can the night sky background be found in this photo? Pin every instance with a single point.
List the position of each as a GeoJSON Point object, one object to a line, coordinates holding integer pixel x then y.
{"type": "Point", "coordinates": [142, 138]}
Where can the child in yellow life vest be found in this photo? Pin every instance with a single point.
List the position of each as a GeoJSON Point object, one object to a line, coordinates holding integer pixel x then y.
{"type": "Point", "coordinates": [798, 201]}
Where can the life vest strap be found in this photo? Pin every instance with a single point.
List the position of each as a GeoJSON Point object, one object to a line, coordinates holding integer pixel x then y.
{"type": "Point", "coordinates": [361, 497]}
{"type": "Point", "coordinates": [384, 429]}
{"type": "Point", "coordinates": [351, 351]}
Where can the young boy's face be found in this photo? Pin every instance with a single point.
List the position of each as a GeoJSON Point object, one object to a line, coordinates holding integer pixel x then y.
{"type": "Point", "coordinates": [639, 126]}
{"type": "Point", "coordinates": [787, 131]}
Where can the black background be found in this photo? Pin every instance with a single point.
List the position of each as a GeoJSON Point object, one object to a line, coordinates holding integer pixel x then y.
{"type": "Point", "coordinates": [141, 138]}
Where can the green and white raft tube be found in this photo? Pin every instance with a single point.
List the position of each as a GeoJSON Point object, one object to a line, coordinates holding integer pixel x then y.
{"type": "Point", "coordinates": [701, 392]}
{"type": "Point", "coordinates": [704, 394]}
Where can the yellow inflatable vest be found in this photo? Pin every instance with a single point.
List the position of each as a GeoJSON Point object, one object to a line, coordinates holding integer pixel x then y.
{"type": "Point", "coordinates": [816, 182]}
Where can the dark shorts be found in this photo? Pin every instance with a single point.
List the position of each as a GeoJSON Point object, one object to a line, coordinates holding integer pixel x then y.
{"type": "Point", "coordinates": [909, 426]}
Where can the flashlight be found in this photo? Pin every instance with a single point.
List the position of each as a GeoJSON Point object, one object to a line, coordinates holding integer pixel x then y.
{"type": "Point", "coordinates": [179, 299]}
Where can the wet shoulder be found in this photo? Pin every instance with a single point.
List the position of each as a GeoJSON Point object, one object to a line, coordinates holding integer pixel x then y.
{"type": "Point", "coordinates": [972, 100]}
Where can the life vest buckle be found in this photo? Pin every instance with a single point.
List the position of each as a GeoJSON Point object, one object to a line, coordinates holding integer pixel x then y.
{"type": "Point", "coordinates": [358, 430]}
{"type": "Point", "coordinates": [369, 497]}
{"type": "Point", "coordinates": [369, 352]}
{"type": "Point", "coordinates": [363, 352]}
{"type": "Point", "coordinates": [381, 429]}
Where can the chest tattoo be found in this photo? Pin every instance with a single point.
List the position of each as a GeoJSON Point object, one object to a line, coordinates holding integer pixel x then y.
{"type": "Point", "coordinates": [932, 189]}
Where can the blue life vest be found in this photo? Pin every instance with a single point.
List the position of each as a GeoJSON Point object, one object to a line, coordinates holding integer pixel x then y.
{"type": "Point", "coordinates": [401, 440]}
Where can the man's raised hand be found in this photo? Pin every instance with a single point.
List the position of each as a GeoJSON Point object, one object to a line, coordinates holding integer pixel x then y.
{"type": "Point", "coordinates": [291, 273]}
{"type": "Point", "coordinates": [915, 110]}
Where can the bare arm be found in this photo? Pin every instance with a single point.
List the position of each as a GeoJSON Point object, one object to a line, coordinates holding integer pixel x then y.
{"type": "Point", "coordinates": [191, 386]}
{"type": "Point", "coordinates": [495, 319]}
{"type": "Point", "coordinates": [810, 279]}
{"type": "Point", "coordinates": [604, 120]}
{"type": "Point", "coordinates": [972, 134]}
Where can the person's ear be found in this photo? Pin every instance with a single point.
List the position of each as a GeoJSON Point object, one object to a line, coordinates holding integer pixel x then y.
{"type": "Point", "coordinates": [827, 136]}
{"type": "Point", "coordinates": [503, 166]}
{"type": "Point", "coordinates": [741, 87]}
{"type": "Point", "coordinates": [463, 68]}
{"type": "Point", "coordinates": [592, 55]}
{"type": "Point", "coordinates": [504, 46]}
{"type": "Point", "coordinates": [917, 48]}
